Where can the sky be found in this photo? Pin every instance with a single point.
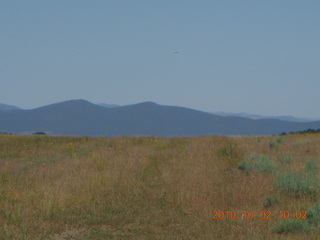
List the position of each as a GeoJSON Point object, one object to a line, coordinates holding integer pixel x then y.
{"type": "Point", "coordinates": [260, 57]}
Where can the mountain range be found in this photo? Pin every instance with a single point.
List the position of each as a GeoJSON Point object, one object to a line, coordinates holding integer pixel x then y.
{"type": "Point", "coordinates": [80, 117]}
{"type": "Point", "coordinates": [256, 116]}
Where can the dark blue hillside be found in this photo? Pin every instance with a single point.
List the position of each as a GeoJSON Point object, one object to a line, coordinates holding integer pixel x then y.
{"type": "Point", "coordinates": [80, 117]}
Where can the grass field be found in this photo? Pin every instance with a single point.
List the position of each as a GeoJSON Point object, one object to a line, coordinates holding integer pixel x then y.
{"type": "Point", "coordinates": [82, 188]}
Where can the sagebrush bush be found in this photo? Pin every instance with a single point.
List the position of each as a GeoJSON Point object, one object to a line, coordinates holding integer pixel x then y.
{"type": "Point", "coordinates": [311, 167]}
{"type": "Point", "coordinates": [272, 144]}
{"type": "Point", "coordinates": [313, 214]}
{"type": "Point", "coordinates": [297, 184]}
{"type": "Point", "coordinates": [280, 139]}
{"type": "Point", "coordinates": [244, 166]}
{"type": "Point", "coordinates": [258, 162]}
{"type": "Point", "coordinates": [262, 163]}
{"type": "Point", "coordinates": [284, 158]}
{"type": "Point", "coordinates": [292, 226]}
{"type": "Point", "coordinates": [270, 201]}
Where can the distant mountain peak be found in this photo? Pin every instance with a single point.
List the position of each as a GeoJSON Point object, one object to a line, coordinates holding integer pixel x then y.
{"type": "Point", "coordinates": [144, 105]}
{"type": "Point", "coordinates": [149, 103]}
{"type": "Point", "coordinates": [77, 101]}
{"type": "Point", "coordinates": [72, 104]}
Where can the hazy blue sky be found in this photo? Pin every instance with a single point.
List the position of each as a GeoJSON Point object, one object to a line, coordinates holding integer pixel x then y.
{"type": "Point", "coordinates": [238, 56]}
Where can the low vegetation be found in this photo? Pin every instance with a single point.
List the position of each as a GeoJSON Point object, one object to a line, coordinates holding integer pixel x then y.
{"type": "Point", "coordinates": [308, 131]}
{"type": "Point", "coordinates": [258, 162]}
{"type": "Point", "coordinates": [292, 226]}
{"type": "Point", "coordinates": [213, 187]}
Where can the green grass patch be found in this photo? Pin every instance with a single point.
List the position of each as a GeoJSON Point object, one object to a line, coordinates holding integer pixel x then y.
{"type": "Point", "coordinates": [292, 226]}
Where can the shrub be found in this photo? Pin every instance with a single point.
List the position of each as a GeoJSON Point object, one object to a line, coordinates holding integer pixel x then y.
{"type": "Point", "coordinates": [244, 166]}
{"type": "Point", "coordinates": [270, 201]}
{"type": "Point", "coordinates": [39, 133]}
{"type": "Point", "coordinates": [258, 162]}
{"type": "Point", "coordinates": [284, 158]}
{"type": "Point", "coordinates": [313, 214]}
{"type": "Point", "coordinates": [272, 144]}
{"type": "Point", "coordinates": [297, 184]}
{"type": "Point", "coordinates": [292, 226]}
{"type": "Point", "coordinates": [280, 139]}
{"type": "Point", "coordinates": [311, 167]}
{"type": "Point", "coordinates": [262, 163]}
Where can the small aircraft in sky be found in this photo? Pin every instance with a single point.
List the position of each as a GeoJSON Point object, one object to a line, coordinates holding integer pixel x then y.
{"type": "Point", "coordinates": [175, 52]}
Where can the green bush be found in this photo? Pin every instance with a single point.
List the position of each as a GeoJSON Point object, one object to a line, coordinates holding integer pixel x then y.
{"type": "Point", "coordinates": [258, 162]}
{"type": "Point", "coordinates": [270, 201]}
{"type": "Point", "coordinates": [311, 167]}
{"type": "Point", "coordinates": [244, 166]}
{"type": "Point", "coordinates": [272, 144]}
{"type": "Point", "coordinates": [292, 226]}
{"type": "Point", "coordinates": [313, 214]}
{"type": "Point", "coordinates": [262, 163]}
{"type": "Point", "coordinates": [284, 158]}
{"type": "Point", "coordinates": [280, 139]}
{"type": "Point", "coordinates": [297, 184]}
{"type": "Point", "coordinates": [39, 133]}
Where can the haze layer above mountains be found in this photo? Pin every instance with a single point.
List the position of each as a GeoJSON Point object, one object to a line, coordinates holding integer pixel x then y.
{"type": "Point", "coordinates": [80, 117]}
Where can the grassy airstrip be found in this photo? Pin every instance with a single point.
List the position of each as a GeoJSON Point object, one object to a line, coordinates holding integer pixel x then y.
{"type": "Point", "coordinates": [213, 187]}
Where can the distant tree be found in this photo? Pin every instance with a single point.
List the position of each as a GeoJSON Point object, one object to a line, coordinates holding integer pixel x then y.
{"type": "Point", "coordinates": [306, 131]}
{"type": "Point", "coordinates": [39, 133]}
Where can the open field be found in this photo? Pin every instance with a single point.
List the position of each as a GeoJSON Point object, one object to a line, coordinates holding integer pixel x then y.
{"type": "Point", "coordinates": [57, 188]}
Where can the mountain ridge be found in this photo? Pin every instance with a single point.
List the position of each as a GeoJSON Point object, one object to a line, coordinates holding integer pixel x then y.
{"type": "Point", "coordinates": [81, 117]}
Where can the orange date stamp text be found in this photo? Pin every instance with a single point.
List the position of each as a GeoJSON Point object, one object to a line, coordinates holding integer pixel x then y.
{"type": "Point", "coordinates": [263, 214]}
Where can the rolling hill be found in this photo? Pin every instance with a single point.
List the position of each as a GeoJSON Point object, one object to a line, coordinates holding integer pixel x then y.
{"type": "Point", "coordinates": [80, 117]}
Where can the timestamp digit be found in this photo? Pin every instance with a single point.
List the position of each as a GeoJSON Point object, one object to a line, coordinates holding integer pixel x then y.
{"type": "Point", "coordinates": [265, 214]}
{"type": "Point", "coordinates": [298, 215]}
{"type": "Point", "coordinates": [221, 214]}
{"type": "Point", "coordinates": [268, 214]}
{"type": "Point", "coordinates": [304, 214]}
{"type": "Point", "coordinates": [284, 214]}
{"type": "Point", "coordinates": [215, 215]}
{"type": "Point", "coordinates": [250, 214]}
{"type": "Point", "coordinates": [301, 214]}
{"type": "Point", "coordinates": [233, 215]}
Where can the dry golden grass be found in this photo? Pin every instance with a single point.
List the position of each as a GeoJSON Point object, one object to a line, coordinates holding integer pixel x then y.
{"type": "Point", "coordinates": [58, 188]}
